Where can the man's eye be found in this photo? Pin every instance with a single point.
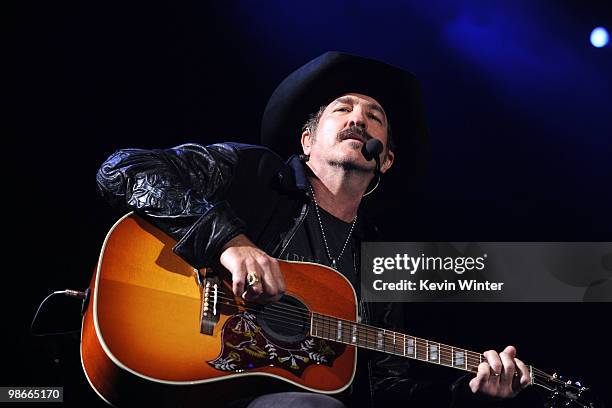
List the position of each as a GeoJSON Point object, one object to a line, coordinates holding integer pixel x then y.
{"type": "Point", "coordinates": [376, 118]}
{"type": "Point", "coordinates": [342, 110]}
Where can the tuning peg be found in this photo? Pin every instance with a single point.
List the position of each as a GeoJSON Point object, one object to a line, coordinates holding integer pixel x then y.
{"type": "Point", "coordinates": [578, 384]}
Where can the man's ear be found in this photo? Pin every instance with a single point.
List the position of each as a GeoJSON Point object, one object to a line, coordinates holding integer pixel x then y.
{"type": "Point", "coordinates": [306, 141]}
{"type": "Point", "coordinates": [387, 162]}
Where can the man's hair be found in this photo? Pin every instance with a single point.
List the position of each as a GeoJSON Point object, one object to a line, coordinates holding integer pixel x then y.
{"type": "Point", "coordinates": [313, 121]}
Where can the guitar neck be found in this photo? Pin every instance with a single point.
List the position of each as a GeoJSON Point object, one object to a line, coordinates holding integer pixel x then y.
{"type": "Point", "coordinates": [390, 342]}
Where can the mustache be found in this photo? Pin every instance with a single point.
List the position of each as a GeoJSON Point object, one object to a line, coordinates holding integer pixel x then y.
{"type": "Point", "coordinates": [354, 132]}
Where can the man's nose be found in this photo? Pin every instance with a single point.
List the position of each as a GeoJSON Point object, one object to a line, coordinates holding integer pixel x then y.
{"type": "Point", "coordinates": [357, 118]}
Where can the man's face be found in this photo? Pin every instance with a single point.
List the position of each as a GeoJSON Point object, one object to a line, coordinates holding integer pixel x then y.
{"type": "Point", "coordinates": [345, 125]}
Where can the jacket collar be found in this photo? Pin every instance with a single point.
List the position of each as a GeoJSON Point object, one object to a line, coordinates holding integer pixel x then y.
{"type": "Point", "coordinates": [299, 173]}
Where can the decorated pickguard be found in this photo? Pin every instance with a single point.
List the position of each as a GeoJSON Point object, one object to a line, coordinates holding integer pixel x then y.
{"type": "Point", "coordinates": [246, 347]}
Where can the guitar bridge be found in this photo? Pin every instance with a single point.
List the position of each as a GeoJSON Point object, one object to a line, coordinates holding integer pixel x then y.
{"type": "Point", "coordinates": [209, 313]}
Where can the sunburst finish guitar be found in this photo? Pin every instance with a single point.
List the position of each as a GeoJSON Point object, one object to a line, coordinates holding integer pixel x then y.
{"type": "Point", "coordinates": [157, 331]}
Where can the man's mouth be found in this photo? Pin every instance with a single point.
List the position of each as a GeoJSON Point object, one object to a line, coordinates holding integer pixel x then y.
{"type": "Point", "coordinates": [354, 133]}
{"type": "Point", "coordinates": [354, 136]}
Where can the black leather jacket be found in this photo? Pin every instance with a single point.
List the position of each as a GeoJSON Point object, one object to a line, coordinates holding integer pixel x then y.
{"type": "Point", "coordinates": [203, 196]}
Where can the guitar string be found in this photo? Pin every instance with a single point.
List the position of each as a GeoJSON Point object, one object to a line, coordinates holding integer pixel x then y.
{"type": "Point", "coordinates": [443, 353]}
{"type": "Point", "coordinates": [289, 313]}
{"type": "Point", "coordinates": [287, 317]}
{"type": "Point", "coordinates": [443, 349]}
{"type": "Point", "coordinates": [475, 357]}
{"type": "Point", "coordinates": [369, 343]}
{"type": "Point", "coordinates": [469, 355]}
{"type": "Point", "coordinates": [365, 331]}
{"type": "Point", "coordinates": [369, 329]}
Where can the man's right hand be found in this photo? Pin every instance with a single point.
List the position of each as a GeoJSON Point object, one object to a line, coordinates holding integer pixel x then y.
{"type": "Point", "coordinates": [241, 257]}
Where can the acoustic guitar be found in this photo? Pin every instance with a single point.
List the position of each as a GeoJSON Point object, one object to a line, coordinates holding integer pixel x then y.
{"type": "Point", "coordinates": [157, 331]}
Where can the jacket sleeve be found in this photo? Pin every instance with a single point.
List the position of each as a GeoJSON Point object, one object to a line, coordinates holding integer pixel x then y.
{"type": "Point", "coordinates": [181, 191]}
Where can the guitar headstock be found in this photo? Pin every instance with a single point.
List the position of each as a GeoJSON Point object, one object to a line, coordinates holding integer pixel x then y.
{"type": "Point", "coordinates": [562, 392]}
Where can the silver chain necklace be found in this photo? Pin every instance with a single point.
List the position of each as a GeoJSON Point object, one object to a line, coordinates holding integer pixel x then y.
{"type": "Point", "coordinates": [348, 237]}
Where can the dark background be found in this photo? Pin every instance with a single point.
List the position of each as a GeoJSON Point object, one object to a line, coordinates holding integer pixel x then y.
{"type": "Point", "coordinates": [519, 107]}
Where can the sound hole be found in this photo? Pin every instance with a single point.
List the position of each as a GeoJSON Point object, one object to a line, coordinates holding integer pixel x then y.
{"type": "Point", "coordinates": [287, 320]}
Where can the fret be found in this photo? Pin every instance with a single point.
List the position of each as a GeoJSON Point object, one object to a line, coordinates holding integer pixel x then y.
{"type": "Point", "coordinates": [421, 349]}
{"type": "Point", "coordinates": [346, 333]}
{"type": "Point", "coordinates": [391, 342]}
{"type": "Point", "coordinates": [470, 366]}
{"type": "Point", "coordinates": [364, 341]}
{"type": "Point", "coordinates": [433, 352]}
{"type": "Point", "coordinates": [410, 350]}
{"type": "Point", "coordinates": [481, 358]}
{"type": "Point", "coordinates": [388, 342]}
{"type": "Point", "coordinates": [321, 328]}
{"type": "Point", "coordinates": [459, 360]}
{"type": "Point", "coordinates": [446, 355]}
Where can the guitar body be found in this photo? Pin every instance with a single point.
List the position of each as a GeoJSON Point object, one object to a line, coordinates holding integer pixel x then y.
{"type": "Point", "coordinates": [146, 338]}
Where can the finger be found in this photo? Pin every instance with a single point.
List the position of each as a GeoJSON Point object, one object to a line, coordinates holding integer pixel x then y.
{"type": "Point", "coordinates": [508, 371]}
{"type": "Point", "coordinates": [253, 291]}
{"type": "Point", "coordinates": [524, 379]}
{"type": "Point", "coordinates": [279, 278]}
{"type": "Point", "coordinates": [494, 361]}
{"type": "Point", "coordinates": [510, 350]}
{"type": "Point", "coordinates": [238, 277]}
{"type": "Point", "coordinates": [482, 376]}
{"type": "Point", "coordinates": [270, 285]}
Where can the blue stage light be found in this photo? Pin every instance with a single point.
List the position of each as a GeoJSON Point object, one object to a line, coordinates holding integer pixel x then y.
{"type": "Point", "coordinates": [599, 37]}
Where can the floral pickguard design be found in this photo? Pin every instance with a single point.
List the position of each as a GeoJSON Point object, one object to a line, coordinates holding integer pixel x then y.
{"type": "Point", "coordinates": [245, 347]}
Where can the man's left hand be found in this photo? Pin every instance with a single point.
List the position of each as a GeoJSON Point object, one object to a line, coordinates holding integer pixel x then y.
{"type": "Point", "coordinates": [502, 376]}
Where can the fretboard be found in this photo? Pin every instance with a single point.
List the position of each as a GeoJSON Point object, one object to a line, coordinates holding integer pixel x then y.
{"type": "Point", "coordinates": [387, 341]}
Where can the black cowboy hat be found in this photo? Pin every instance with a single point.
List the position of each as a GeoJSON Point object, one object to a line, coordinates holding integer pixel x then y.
{"type": "Point", "coordinates": [333, 74]}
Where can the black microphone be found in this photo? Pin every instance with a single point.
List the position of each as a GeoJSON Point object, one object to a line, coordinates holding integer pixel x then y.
{"type": "Point", "coordinates": [371, 150]}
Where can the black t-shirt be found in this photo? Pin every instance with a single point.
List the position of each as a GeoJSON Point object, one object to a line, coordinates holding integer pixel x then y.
{"type": "Point", "coordinates": [307, 244]}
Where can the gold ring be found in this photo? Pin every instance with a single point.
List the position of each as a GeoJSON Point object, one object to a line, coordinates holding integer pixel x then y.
{"type": "Point", "coordinates": [253, 279]}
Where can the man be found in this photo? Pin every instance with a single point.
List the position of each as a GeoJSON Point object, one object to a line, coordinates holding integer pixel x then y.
{"type": "Point", "coordinates": [241, 207]}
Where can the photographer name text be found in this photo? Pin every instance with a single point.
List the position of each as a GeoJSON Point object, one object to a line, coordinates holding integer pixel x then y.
{"type": "Point", "coordinates": [427, 285]}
